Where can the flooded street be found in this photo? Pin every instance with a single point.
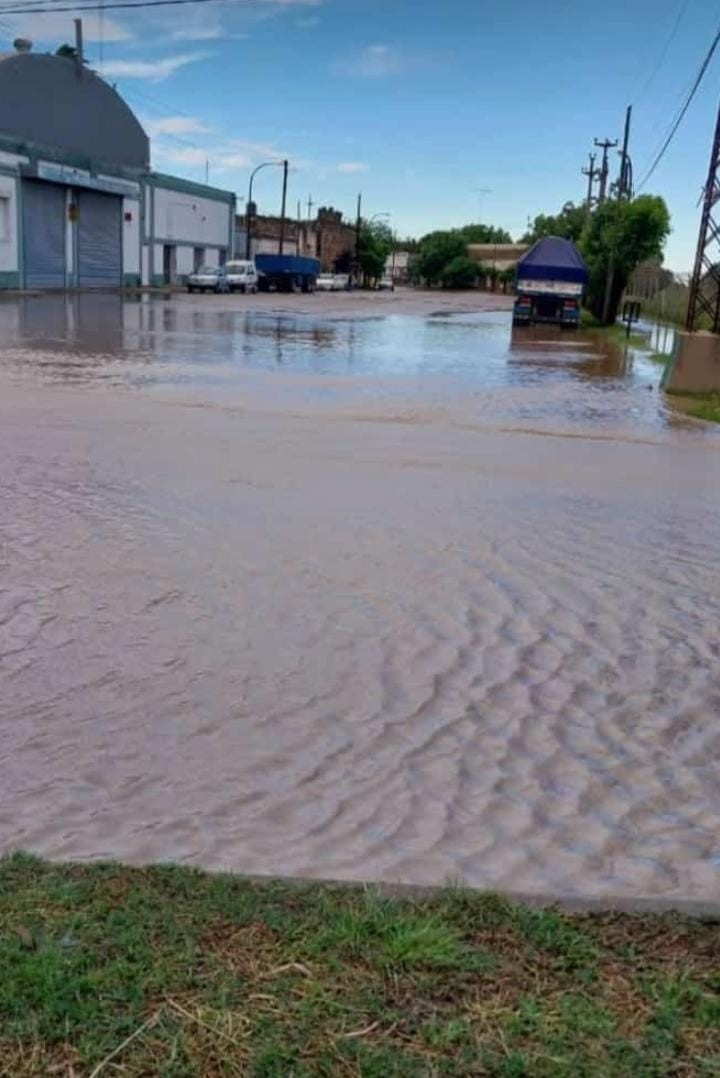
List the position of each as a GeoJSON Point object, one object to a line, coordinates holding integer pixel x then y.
{"type": "Point", "coordinates": [356, 587]}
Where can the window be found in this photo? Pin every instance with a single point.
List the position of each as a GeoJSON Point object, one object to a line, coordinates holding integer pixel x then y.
{"type": "Point", "coordinates": [198, 258]}
{"type": "Point", "coordinates": [4, 218]}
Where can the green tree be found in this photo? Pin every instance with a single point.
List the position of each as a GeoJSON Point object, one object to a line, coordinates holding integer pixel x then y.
{"type": "Point", "coordinates": [375, 246]}
{"type": "Point", "coordinates": [68, 52]}
{"type": "Point", "coordinates": [484, 234]}
{"type": "Point", "coordinates": [506, 277]}
{"type": "Point", "coordinates": [435, 251]}
{"type": "Point", "coordinates": [460, 272]}
{"type": "Point", "coordinates": [568, 224]}
{"type": "Point", "coordinates": [618, 236]}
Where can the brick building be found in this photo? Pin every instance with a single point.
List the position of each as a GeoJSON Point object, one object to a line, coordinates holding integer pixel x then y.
{"type": "Point", "coordinates": [327, 237]}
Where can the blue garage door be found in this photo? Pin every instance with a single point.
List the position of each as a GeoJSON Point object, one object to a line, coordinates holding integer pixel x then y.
{"type": "Point", "coordinates": [99, 240]}
{"type": "Point", "coordinates": [43, 234]}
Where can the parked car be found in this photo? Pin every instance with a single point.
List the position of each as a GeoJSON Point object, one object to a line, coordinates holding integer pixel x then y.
{"type": "Point", "coordinates": [386, 284]}
{"type": "Point", "coordinates": [241, 276]}
{"type": "Point", "coordinates": [332, 282]}
{"type": "Point", "coordinates": [208, 279]}
{"type": "Point", "coordinates": [326, 282]}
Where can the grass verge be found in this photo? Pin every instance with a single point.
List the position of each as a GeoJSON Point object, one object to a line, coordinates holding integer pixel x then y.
{"type": "Point", "coordinates": [699, 405]}
{"type": "Point", "coordinates": [168, 971]}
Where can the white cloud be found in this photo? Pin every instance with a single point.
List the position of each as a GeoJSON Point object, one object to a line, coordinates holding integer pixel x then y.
{"type": "Point", "coordinates": [308, 22]}
{"type": "Point", "coordinates": [191, 156]}
{"type": "Point", "coordinates": [225, 161]}
{"type": "Point", "coordinates": [59, 28]}
{"type": "Point", "coordinates": [153, 70]}
{"type": "Point", "coordinates": [373, 62]}
{"type": "Point", "coordinates": [175, 125]}
{"type": "Point", "coordinates": [352, 166]}
{"type": "Point", "coordinates": [211, 32]}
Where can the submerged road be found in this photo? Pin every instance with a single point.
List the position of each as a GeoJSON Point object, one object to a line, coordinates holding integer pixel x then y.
{"type": "Point", "coordinates": [360, 587]}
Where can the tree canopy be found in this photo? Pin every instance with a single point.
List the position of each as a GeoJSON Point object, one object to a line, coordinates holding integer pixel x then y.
{"type": "Point", "coordinates": [484, 234]}
{"type": "Point", "coordinates": [435, 251]}
{"type": "Point", "coordinates": [619, 235]}
{"type": "Point", "coordinates": [460, 272]}
{"type": "Point", "coordinates": [568, 224]}
{"type": "Point", "coordinates": [438, 250]}
{"type": "Point", "coordinates": [375, 246]}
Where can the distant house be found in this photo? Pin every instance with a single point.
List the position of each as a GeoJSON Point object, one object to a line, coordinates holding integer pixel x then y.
{"type": "Point", "coordinates": [326, 237]}
{"type": "Point", "coordinates": [500, 256]}
{"type": "Point", "coordinates": [397, 266]}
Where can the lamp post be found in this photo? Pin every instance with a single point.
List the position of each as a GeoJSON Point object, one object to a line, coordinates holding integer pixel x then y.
{"type": "Point", "coordinates": [249, 205]}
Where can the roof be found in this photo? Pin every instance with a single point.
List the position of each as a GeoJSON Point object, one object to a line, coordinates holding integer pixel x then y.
{"type": "Point", "coordinates": [553, 259]}
{"type": "Point", "coordinates": [48, 102]}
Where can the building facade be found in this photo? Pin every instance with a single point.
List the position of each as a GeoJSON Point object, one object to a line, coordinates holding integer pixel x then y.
{"type": "Point", "coordinates": [327, 237]}
{"type": "Point", "coordinates": [79, 204]}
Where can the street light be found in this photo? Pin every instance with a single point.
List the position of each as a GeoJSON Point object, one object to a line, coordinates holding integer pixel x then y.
{"type": "Point", "coordinates": [249, 204]}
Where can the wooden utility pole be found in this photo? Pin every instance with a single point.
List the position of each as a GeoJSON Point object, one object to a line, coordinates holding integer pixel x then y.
{"type": "Point", "coordinates": [592, 174]}
{"type": "Point", "coordinates": [358, 227]}
{"type": "Point", "coordinates": [604, 145]}
{"type": "Point", "coordinates": [625, 179]}
{"type": "Point", "coordinates": [624, 190]}
{"type": "Point", "coordinates": [281, 243]}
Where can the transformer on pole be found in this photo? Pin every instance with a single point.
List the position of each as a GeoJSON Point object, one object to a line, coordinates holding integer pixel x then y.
{"type": "Point", "coordinates": [705, 284]}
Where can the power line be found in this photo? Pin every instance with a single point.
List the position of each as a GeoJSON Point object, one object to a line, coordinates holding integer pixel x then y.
{"type": "Point", "coordinates": [673, 34]}
{"type": "Point", "coordinates": [700, 75]}
{"type": "Point", "coordinates": [43, 8]}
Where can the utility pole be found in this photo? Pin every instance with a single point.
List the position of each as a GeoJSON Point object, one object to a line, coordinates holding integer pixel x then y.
{"type": "Point", "coordinates": [604, 145]}
{"type": "Point", "coordinates": [297, 230]}
{"type": "Point", "coordinates": [310, 205]}
{"type": "Point", "coordinates": [592, 174]}
{"type": "Point", "coordinates": [625, 180]}
{"type": "Point", "coordinates": [358, 226]}
{"type": "Point", "coordinates": [705, 284]}
{"type": "Point", "coordinates": [282, 208]}
{"type": "Point", "coordinates": [623, 189]}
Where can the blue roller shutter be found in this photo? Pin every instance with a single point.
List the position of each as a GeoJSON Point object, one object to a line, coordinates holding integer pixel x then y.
{"type": "Point", "coordinates": [99, 240]}
{"type": "Point", "coordinates": [44, 226]}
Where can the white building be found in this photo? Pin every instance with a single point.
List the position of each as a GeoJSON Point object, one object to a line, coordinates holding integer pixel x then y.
{"type": "Point", "coordinates": [79, 205]}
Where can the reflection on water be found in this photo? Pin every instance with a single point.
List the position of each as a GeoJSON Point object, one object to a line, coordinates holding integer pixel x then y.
{"type": "Point", "coordinates": [405, 598]}
{"type": "Point", "coordinates": [158, 343]}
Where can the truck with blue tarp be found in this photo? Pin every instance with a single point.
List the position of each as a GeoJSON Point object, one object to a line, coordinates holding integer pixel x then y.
{"type": "Point", "coordinates": [550, 282]}
{"type": "Point", "coordinates": [286, 273]}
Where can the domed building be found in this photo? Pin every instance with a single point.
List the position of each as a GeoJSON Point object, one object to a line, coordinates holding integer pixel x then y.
{"type": "Point", "coordinates": [79, 205]}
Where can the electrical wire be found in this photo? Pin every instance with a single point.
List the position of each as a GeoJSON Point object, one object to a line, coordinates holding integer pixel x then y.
{"type": "Point", "coordinates": [41, 8]}
{"type": "Point", "coordinates": [663, 55]}
{"type": "Point", "coordinates": [688, 101]}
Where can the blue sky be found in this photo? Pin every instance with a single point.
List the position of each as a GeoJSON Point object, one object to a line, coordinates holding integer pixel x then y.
{"type": "Point", "coordinates": [417, 104]}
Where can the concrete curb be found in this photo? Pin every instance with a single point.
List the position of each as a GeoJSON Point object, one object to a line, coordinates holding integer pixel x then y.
{"type": "Point", "coordinates": [701, 909]}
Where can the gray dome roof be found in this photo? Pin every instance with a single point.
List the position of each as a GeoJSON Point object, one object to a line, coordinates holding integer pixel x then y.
{"type": "Point", "coordinates": [43, 100]}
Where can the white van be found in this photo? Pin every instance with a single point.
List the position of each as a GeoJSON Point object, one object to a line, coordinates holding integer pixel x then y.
{"type": "Point", "coordinates": [241, 276]}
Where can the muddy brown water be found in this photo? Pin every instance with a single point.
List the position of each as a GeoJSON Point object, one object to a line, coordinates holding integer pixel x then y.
{"type": "Point", "coordinates": [409, 597]}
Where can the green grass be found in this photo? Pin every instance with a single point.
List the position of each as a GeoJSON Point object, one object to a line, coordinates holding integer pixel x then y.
{"type": "Point", "coordinates": [662, 358]}
{"type": "Point", "coordinates": [167, 971]}
{"type": "Point", "coordinates": [699, 405]}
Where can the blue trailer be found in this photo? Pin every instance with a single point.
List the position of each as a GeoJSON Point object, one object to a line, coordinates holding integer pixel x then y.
{"type": "Point", "coordinates": [286, 273]}
{"type": "Point", "coordinates": [549, 284]}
